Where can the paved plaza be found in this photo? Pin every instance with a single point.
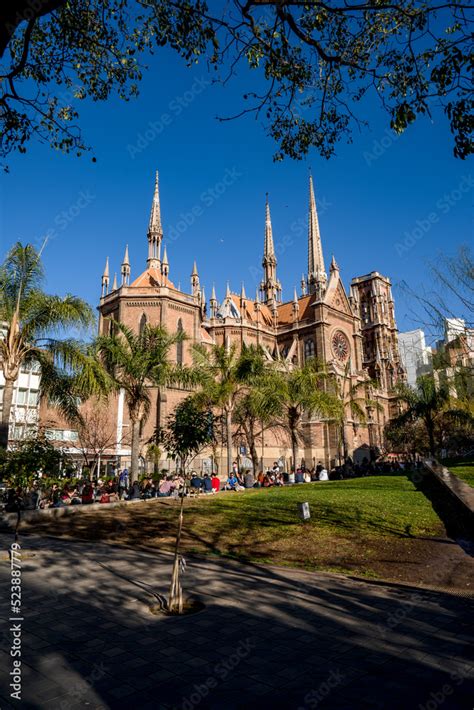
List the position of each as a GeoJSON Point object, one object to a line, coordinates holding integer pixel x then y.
{"type": "Point", "coordinates": [267, 638]}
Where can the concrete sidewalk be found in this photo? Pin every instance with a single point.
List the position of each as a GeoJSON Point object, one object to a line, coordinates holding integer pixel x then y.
{"type": "Point", "coordinates": [268, 637]}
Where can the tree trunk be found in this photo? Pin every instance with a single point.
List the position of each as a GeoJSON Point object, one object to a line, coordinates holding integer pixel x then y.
{"type": "Point", "coordinates": [135, 450]}
{"type": "Point", "coordinates": [6, 412]}
{"type": "Point", "coordinates": [294, 447]}
{"type": "Point", "coordinates": [430, 430]}
{"type": "Point", "coordinates": [175, 600]}
{"type": "Point", "coordinates": [345, 447]}
{"type": "Point", "coordinates": [228, 426]}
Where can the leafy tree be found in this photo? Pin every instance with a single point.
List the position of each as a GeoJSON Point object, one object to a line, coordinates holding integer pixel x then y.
{"type": "Point", "coordinates": [31, 317]}
{"type": "Point", "coordinates": [317, 61]}
{"type": "Point", "coordinates": [224, 376]}
{"type": "Point", "coordinates": [299, 391]}
{"type": "Point", "coordinates": [406, 437]}
{"type": "Point", "coordinates": [135, 363]}
{"type": "Point", "coordinates": [354, 400]}
{"type": "Point", "coordinates": [20, 466]}
{"type": "Point", "coordinates": [190, 429]}
{"type": "Point", "coordinates": [428, 402]}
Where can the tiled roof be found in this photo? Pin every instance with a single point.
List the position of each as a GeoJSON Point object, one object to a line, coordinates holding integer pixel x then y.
{"type": "Point", "coordinates": [152, 278]}
{"type": "Point", "coordinates": [285, 310]}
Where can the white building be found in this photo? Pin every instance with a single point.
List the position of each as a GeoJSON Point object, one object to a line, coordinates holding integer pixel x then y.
{"type": "Point", "coordinates": [415, 354]}
{"type": "Point", "coordinates": [25, 406]}
{"type": "Point", "coordinates": [453, 327]}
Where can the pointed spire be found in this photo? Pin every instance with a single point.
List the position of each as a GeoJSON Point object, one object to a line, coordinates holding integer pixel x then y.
{"type": "Point", "coordinates": [165, 268]}
{"type": "Point", "coordinates": [242, 292]}
{"type": "Point", "coordinates": [155, 230]}
{"type": "Point", "coordinates": [195, 281]}
{"type": "Point", "coordinates": [257, 297]}
{"type": "Point", "coordinates": [295, 296]}
{"type": "Point", "coordinates": [316, 271]}
{"type": "Point", "coordinates": [227, 291]}
{"type": "Point", "coordinates": [154, 225]}
{"type": "Point", "coordinates": [334, 266]}
{"type": "Point", "coordinates": [295, 305]}
{"type": "Point", "coordinates": [105, 278]}
{"type": "Point", "coordinates": [126, 260]}
{"type": "Point", "coordinates": [303, 285]}
{"type": "Point", "coordinates": [114, 285]}
{"type": "Point", "coordinates": [125, 268]}
{"type": "Point", "coordinates": [269, 249]}
{"type": "Point", "coordinates": [213, 302]}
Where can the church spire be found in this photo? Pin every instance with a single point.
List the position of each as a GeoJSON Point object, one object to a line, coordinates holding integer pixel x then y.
{"type": "Point", "coordinates": [155, 230]}
{"type": "Point", "coordinates": [317, 277]}
{"type": "Point", "coordinates": [270, 287]}
{"type": "Point", "coordinates": [165, 267]}
{"type": "Point", "coordinates": [195, 280]}
{"type": "Point", "coordinates": [105, 278]}
{"type": "Point", "coordinates": [125, 268]}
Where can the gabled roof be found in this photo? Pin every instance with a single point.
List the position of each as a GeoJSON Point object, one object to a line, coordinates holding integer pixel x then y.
{"type": "Point", "coordinates": [285, 310]}
{"type": "Point", "coordinates": [152, 278]}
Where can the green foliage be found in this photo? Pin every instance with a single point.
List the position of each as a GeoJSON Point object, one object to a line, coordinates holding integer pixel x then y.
{"type": "Point", "coordinates": [32, 318]}
{"type": "Point", "coordinates": [20, 466]}
{"type": "Point", "coordinates": [318, 62]}
{"type": "Point", "coordinates": [190, 428]}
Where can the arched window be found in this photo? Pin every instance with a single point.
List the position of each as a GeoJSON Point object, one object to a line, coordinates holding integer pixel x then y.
{"type": "Point", "coordinates": [143, 322]}
{"type": "Point", "coordinates": [179, 344]}
{"type": "Point", "coordinates": [308, 349]}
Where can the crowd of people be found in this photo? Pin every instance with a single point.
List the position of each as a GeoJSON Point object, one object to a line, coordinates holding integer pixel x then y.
{"type": "Point", "coordinates": [119, 488]}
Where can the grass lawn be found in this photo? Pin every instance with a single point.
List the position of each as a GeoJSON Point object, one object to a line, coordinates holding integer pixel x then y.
{"type": "Point", "coordinates": [379, 527]}
{"type": "Point", "coordinates": [462, 469]}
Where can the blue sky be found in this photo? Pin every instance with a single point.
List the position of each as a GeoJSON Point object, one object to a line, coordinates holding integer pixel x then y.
{"type": "Point", "coordinates": [386, 204]}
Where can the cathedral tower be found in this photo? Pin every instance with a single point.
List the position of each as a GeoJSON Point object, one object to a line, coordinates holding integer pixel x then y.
{"type": "Point", "coordinates": [317, 277]}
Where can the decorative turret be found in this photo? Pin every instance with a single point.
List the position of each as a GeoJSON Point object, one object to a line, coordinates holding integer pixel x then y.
{"type": "Point", "coordinates": [125, 268]}
{"type": "Point", "coordinates": [155, 230]}
{"type": "Point", "coordinates": [165, 268]}
{"type": "Point", "coordinates": [334, 266]}
{"type": "Point", "coordinates": [257, 302]}
{"type": "Point", "coordinates": [213, 302]}
{"type": "Point", "coordinates": [295, 306]}
{"type": "Point", "coordinates": [317, 277]}
{"type": "Point", "coordinates": [203, 302]}
{"type": "Point", "coordinates": [242, 297]}
{"type": "Point", "coordinates": [303, 285]}
{"type": "Point", "coordinates": [195, 281]}
{"type": "Point", "coordinates": [114, 285]}
{"type": "Point", "coordinates": [270, 287]}
{"type": "Point", "coordinates": [105, 278]}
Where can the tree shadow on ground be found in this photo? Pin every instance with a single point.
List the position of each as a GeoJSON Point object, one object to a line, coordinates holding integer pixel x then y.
{"type": "Point", "coordinates": [268, 638]}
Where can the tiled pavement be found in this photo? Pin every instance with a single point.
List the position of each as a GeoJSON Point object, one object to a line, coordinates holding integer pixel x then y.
{"type": "Point", "coordinates": [267, 638]}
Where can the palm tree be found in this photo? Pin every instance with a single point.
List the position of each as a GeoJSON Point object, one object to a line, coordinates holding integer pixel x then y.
{"type": "Point", "coordinates": [224, 375]}
{"type": "Point", "coordinates": [30, 318]}
{"type": "Point", "coordinates": [135, 363]}
{"type": "Point", "coordinates": [428, 402]}
{"type": "Point", "coordinates": [294, 392]}
{"type": "Point", "coordinates": [354, 401]}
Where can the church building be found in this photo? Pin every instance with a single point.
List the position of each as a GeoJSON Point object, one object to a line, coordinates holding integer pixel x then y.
{"type": "Point", "coordinates": [353, 332]}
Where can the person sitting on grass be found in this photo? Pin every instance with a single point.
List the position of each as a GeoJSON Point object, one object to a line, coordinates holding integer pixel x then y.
{"type": "Point", "coordinates": [135, 492]}
{"type": "Point", "coordinates": [165, 487]}
{"type": "Point", "coordinates": [233, 483]}
{"type": "Point", "coordinates": [249, 480]}
{"type": "Point", "coordinates": [299, 476]}
{"type": "Point", "coordinates": [196, 482]}
{"type": "Point", "coordinates": [87, 494]}
{"type": "Point", "coordinates": [206, 484]}
{"type": "Point", "coordinates": [216, 483]}
{"type": "Point", "coordinates": [323, 475]}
